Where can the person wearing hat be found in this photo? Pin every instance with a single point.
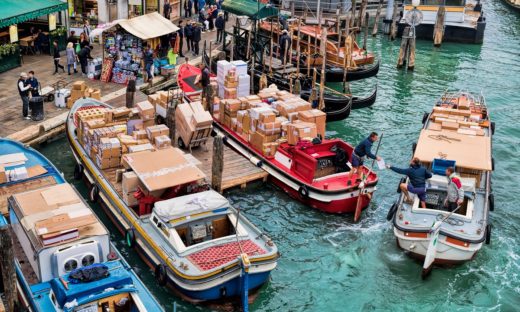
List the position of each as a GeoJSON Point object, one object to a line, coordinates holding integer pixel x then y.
{"type": "Point", "coordinates": [220, 24]}
{"type": "Point", "coordinates": [23, 90]}
{"type": "Point", "coordinates": [285, 46]}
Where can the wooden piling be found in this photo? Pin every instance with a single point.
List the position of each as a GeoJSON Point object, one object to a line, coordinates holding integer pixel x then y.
{"type": "Point", "coordinates": [218, 163]}
{"type": "Point", "coordinates": [393, 26]}
{"type": "Point", "coordinates": [298, 52]}
{"type": "Point", "coordinates": [378, 14]}
{"type": "Point", "coordinates": [292, 8]}
{"type": "Point", "coordinates": [403, 51]}
{"type": "Point", "coordinates": [323, 52]}
{"type": "Point", "coordinates": [365, 36]}
{"type": "Point", "coordinates": [411, 52]}
{"type": "Point", "coordinates": [362, 17]}
{"type": "Point", "coordinates": [346, 54]}
{"type": "Point", "coordinates": [7, 267]}
{"type": "Point", "coordinates": [170, 122]}
{"type": "Point", "coordinates": [353, 16]}
{"type": "Point", "coordinates": [438, 31]}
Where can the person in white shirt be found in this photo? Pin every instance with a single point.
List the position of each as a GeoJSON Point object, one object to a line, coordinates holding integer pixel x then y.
{"type": "Point", "coordinates": [23, 89]}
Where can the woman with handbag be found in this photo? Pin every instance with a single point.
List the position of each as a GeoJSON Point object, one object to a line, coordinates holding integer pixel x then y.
{"type": "Point", "coordinates": [71, 57]}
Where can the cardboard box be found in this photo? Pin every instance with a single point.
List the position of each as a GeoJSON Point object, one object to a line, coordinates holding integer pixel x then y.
{"type": "Point", "coordinates": [230, 93]}
{"type": "Point", "coordinates": [140, 148]}
{"type": "Point", "coordinates": [157, 130]}
{"type": "Point", "coordinates": [200, 118]}
{"type": "Point", "coordinates": [129, 199]}
{"type": "Point", "coordinates": [140, 134]}
{"type": "Point", "coordinates": [130, 182]}
{"type": "Point", "coordinates": [267, 116]}
{"type": "Point", "coordinates": [96, 94]}
{"type": "Point", "coordinates": [114, 162]}
{"type": "Point", "coordinates": [450, 125]}
{"type": "Point", "coordinates": [154, 98]}
{"type": "Point", "coordinates": [148, 123]}
{"type": "Point", "coordinates": [146, 110]}
{"type": "Point", "coordinates": [3, 176]}
{"type": "Point", "coordinates": [269, 128]}
{"type": "Point", "coordinates": [102, 163]}
{"type": "Point", "coordinates": [162, 141]}
{"type": "Point", "coordinates": [314, 116]}
{"type": "Point", "coordinates": [79, 85]}
{"type": "Point", "coordinates": [300, 130]}
{"type": "Point", "coordinates": [76, 94]}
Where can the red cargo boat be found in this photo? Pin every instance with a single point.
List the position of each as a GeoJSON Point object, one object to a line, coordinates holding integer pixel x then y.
{"type": "Point", "coordinates": [315, 174]}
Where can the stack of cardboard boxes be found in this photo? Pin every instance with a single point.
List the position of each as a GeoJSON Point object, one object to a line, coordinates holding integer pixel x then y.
{"type": "Point", "coordinates": [109, 153]}
{"type": "Point", "coordinates": [463, 121]}
{"type": "Point", "coordinates": [192, 121]}
{"type": "Point", "coordinates": [147, 113]}
{"type": "Point", "coordinates": [129, 185]}
{"type": "Point", "coordinates": [79, 90]}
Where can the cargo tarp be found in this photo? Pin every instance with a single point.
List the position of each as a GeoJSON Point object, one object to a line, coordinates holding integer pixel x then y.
{"type": "Point", "coordinates": [250, 8]}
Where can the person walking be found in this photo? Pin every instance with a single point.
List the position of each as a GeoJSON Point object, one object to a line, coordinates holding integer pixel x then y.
{"type": "Point", "coordinates": [455, 196]}
{"type": "Point", "coordinates": [180, 38]}
{"type": "Point", "coordinates": [204, 81]}
{"type": "Point", "coordinates": [23, 90]}
{"type": "Point", "coordinates": [417, 174]}
{"type": "Point", "coordinates": [148, 62]}
{"type": "Point", "coordinates": [35, 85]}
{"type": "Point", "coordinates": [83, 41]}
{"type": "Point", "coordinates": [56, 57]}
{"type": "Point", "coordinates": [220, 25]}
{"type": "Point", "coordinates": [86, 31]}
{"type": "Point", "coordinates": [196, 6]}
{"type": "Point", "coordinates": [362, 150]}
{"type": "Point", "coordinates": [188, 5]}
{"type": "Point", "coordinates": [285, 46]}
{"type": "Point", "coordinates": [84, 56]}
{"type": "Point", "coordinates": [167, 9]}
{"type": "Point", "coordinates": [71, 57]}
{"type": "Point", "coordinates": [197, 36]}
{"type": "Point", "coordinates": [188, 32]}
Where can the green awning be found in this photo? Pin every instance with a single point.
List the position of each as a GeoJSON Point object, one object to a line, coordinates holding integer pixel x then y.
{"type": "Point", "coordinates": [250, 8]}
{"type": "Point", "coordinates": [18, 11]}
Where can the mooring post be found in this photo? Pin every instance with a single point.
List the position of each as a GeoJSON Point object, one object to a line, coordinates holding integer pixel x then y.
{"type": "Point", "coordinates": [353, 16]}
{"type": "Point", "coordinates": [403, 51]}
{"type": "Point", "coordinates": [292, 9]}
{"type": "Point", "coordinates": [362, 16]}
{"type": "Point", "coordinates": [323, 48]}
{"type": "Point", "coordinates": [217, 167]}
{"type": "Point", "coordinates": [438, 31]}
{"type": "Point", "coordinates": [387, 21]}
{"type": "Point", "coordinates": [393, 26]}
{"type": "Point", "coordinates": [365, 35]}
{"type": "Point", "coordinates": [170, 122]}
{"type": "Point", "coordinates": [378, 14]}
{"type": "Point", "coordinates": [411, 50]}
{"type": "Point", "coordinates": [7, 267]}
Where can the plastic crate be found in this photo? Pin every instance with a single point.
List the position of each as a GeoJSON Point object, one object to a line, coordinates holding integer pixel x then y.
{"type": "Point", "coordinates": [439, 165]}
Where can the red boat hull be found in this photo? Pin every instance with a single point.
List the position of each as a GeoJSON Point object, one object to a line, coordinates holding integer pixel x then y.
{"type": "Point", "coordinates": [347, 205]}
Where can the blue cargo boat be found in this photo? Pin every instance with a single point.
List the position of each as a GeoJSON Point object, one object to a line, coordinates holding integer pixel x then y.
{"type": "Point", "coordinates": [63, 256]}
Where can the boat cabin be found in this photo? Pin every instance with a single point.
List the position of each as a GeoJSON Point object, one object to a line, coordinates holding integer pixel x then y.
{"type": "Point", "coordinates": [57, 232]}
{"type": "Point", "coordinates": [455, 10]}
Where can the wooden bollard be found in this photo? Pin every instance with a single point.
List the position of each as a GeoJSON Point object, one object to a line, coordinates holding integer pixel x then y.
{"type": "Point", "coordinates": [438, 31]}
{"type": "Point", "coordinates": [170, 123]}
{"type": "Point", "coordinates": [362, 18]}
{"type": "Point", "coordinates": [217, 167]}
{"type": "Point", "coordinates": [411, 51]}
{"type": "Point", "coordinates": [365, 36]}
{"type": "Point", "coordinates": [404, 48]}
{"type": "Point", "coordinates": [393, 26]}
{"type": "Point", "coordinates": [7, 267]}
{"type": "Point", "coordinates": [353, 16]}
{"type": "Point", "coordinates": [378, 14]}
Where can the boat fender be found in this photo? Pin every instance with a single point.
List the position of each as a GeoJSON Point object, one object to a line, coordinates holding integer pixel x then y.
{"type": "Point", "coordinates": [78, 171]}
{"type": "Point", "coordinates": [303, 191]}
{"type": "Point", "coordinates": [223, 292]}
{"type": "Point", "coordinates": [257, 162]}
{"type": "Point", "coordinates": [391, 212]}
{"type": "Point", "coordinates": [488, 234]}
{"type": "Point", "coordinates": [93, 193]}
{"type": "Point", "coordinates": [130, 238]}
{"type": "Point", "coordinates": [213, 133]}
{"type": "Point", "coordinates": [161, 274]}
{"type": "Point", "coordinates": [492, 163]}
{"type": "Point", "coordinates": [224, 139]}
{"type": "Point", "coordinates": [414, 147]}
{"type": "Point", "coordinates": [492, 127]}
{"type": "Point", "coordinates": [425, 117]}
{"type": "Point", "coordinates": [491, 199]}
{"type": "Point", "coordinates": [403, 180]}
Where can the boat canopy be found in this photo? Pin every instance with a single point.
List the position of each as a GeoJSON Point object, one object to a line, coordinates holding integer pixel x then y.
{"type": "Point", "coordinates": [189, 204]}
{"type": "Point", "coordinates": [250, 8]}
{"type": "Point", "coordinates": [469, 151]}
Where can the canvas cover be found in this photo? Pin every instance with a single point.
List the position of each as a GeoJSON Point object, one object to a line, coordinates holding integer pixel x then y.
{"type": "Point", "coordinates": [469, 151]}
{"type": "Point", "coordinates": [148, 26]}
{"type": "Point", "coordinates": [187, 205]}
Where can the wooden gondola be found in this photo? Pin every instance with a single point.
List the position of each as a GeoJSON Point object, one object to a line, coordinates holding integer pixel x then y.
{"type": "Point", "coordinates": [515, 4]}
{"type": "Point", "coordinates": [336, 74]}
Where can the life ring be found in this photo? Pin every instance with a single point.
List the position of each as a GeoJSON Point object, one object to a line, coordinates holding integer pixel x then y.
{"type": "Point", "coordinates": [491, 199]}
{"type": "Point", "coordinates": [414, 147]}
{"type": "Point", "coordinates": [391, 212]}
{"type": "Point", "coordinates": [488, 234]}
{"type": "Point", "coordinates": [130, 238]}
{"type": "Point", "coordinates": [161, 274]}
{"type": "Point", "coordinates": [93, 193]}
{"type": "Point", "coordinates": [303, 191]}
{"type": "Point", "coordinates": [425, 117]}
{"type": "Point", "coordinates": [403, 180]}
{"type": "Point", "coordinates": [492, 128]}
{"type": "Point", "coordinates": [78, 171]}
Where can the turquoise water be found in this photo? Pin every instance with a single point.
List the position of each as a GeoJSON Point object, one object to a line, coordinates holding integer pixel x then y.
{"type": "Point", "coordinates": [330, 264]}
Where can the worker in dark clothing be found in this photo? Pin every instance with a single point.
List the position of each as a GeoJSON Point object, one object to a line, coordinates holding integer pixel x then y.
{"type": "Point", "coordinates": [418, 175]}
{"type": "Point", "coordinates": [84, 56]}
{"type": "Point", "coordinates": [197, 35]}
{"type": "Point", "coordinates": [220, 25]}
{"type": "Point", "coordinates": [204, 81]}
{"type": "Point", "coordinates": [167, 9]}
{"type": "Point", "coordinates": [285, 46]}
{"type": "Point", "coordinates": [180, 37]}
{"type": "Point", "coordinates": [188, 32]}
{"type": "Point", "coordinates": [188, 4]}
{"type": "Point", "coordinates": [35, 85]}
{"type": "Point", "coordinates": [362, 150]}
{"type": "Point", "coordinates": [283, 22]}
{"type": "Point", "coordinates": [56, 58]}
{"type": "Point", "coordinates": [23, 90]}
{"type": "Point", "coordinates": [148, 62]}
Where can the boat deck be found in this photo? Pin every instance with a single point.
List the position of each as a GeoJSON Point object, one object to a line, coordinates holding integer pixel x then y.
{"type": "Point", "coordinates": [238, 171]}
{"type": "Point", "coordinates": [8, 190]}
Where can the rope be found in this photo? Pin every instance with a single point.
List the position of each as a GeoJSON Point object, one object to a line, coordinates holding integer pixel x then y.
{"type": "Point", "coordinates": [442, 137]}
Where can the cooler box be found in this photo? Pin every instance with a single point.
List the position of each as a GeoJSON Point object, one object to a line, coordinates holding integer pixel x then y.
{"type": "Point", "coordinates": [439, 166]}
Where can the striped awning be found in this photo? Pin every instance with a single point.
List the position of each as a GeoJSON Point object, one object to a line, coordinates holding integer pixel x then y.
{"type": "Point", "coordinates": [19, 11]}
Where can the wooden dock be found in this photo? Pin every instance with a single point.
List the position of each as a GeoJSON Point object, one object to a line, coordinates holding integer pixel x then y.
{"type": "Point", "coordinates": [238, 171]}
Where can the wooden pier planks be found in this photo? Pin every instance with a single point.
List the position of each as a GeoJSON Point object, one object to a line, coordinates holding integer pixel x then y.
{"type": "Point", "coordinates": [238, 171]}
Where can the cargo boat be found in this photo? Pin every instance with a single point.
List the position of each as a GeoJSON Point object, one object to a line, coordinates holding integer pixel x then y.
{"type": "Point", "coordinates": [456, 133]}
{"type": "Point", "coordinates": [50, 253]}
{"type": "Point", "coordinates": [196, 243]}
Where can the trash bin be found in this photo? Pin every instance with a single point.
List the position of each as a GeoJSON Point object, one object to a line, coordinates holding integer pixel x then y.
{"type": "Point", "coordinates": [36, 107]}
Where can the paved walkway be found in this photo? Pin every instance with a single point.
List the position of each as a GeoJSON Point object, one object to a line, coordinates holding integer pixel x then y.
{"type": "Point", "coordinates": [11, 119]}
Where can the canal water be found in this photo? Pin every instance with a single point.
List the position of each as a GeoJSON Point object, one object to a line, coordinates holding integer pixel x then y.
{"type": "Point", "coordinates": [327, 262]}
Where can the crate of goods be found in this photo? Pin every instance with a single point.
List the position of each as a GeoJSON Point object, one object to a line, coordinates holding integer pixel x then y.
{"type": "Point", "coordinates": [200, 118]}
{"type": "Point", "coordinates": [439, 165]}
{"type": "Point", "coordinates": [193, 124]}
{"type": "Point", "coordinates": [140, 148]}
{"type": "Point", "coordinates": [299, 131]}
{"type": "Point", "coordinates": [240, 67]}
{"type": "Point", "coordinates": [244, 85]}
{"type": "Point", "coordinates": [315, 116]}
{"type": "Point", "coordinates": [157, 130]}
{"type": "Point", "coordinates": [146, 110]}
{"type": "Point", "coordinates": [108, 153]}
{"type": "Point", "coordinates": [129, 185]}
{"type": "Point", "coordinates": [162, 141]}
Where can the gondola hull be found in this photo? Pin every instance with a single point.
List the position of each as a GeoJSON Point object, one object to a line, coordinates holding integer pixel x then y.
{"type": "Point", "coordinates": [336, 74]}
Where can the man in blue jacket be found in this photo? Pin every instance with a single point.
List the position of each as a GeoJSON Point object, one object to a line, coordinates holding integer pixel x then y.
{"type": "Point", "coordinates": [418, 175]}
{"type": "Point", "coordinates": [220, 24]}
{"type": "Point", "coordinates": [362, 150]}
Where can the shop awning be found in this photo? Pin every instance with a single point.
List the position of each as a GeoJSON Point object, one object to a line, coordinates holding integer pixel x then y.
{"type": "Point", "coordinates": [148, 26]}
{"type": "Point", "coordinates": [18, 11]}
{"type": "Point", "coordinates": [250, 8]}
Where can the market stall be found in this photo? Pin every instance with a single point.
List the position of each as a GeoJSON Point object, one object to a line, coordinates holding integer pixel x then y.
{"type": "Point", "coordinates": [124, 43]}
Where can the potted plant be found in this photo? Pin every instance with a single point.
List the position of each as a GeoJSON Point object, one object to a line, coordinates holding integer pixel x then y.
{"type": "Point", "coordinates": [9, 56]}
{"type": "Point", "coordinates": [59, 34]}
